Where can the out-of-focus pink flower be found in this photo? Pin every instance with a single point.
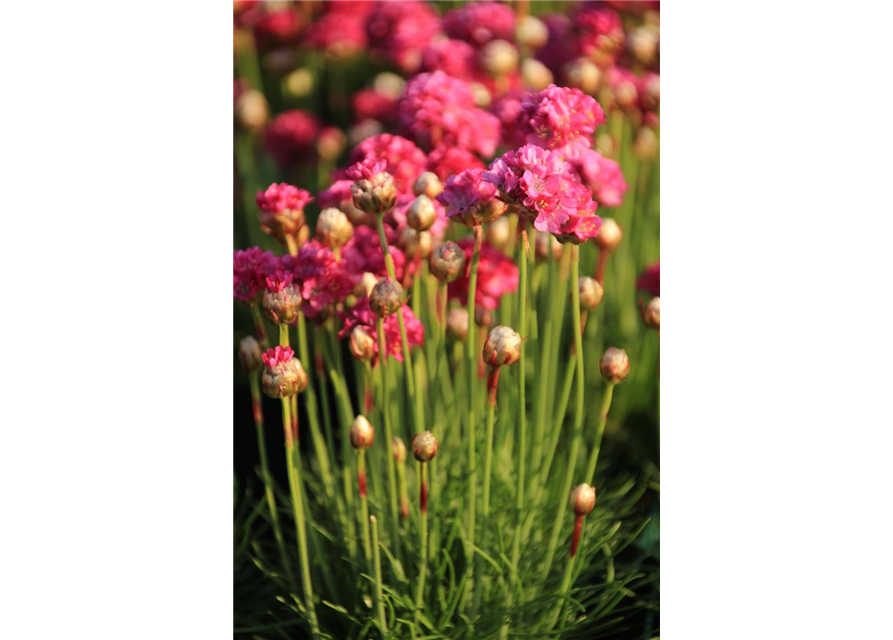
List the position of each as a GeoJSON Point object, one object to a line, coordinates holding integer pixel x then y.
{"type": "Point", "coordinates": [281, 197]}
{"type": "Point", "coordinates": [600, 34]}
{"type": "Point", "coordinates": [650, 279]}
{"type": "Point", "coordinates": [405, 161]}
{"type": "Point", "coordinates": [506, 108]}
{"type": "Point", "coordinates": [278, 280]}
{"type": "Point", "coordinates": [470, 198]}
{"type": "Point", "coordinates": [375, 105]}
{"type": "Point", "coordinates": [320, 278]}
{"type": "Point", "coordinates": [561, 47]}
{"type": "Point", "coordinates": [480, 22]}
{"type": "Point", "coordinates": [276, 356]}
{"type": "Point", "coordinates": [399, 31]}
{"type": "Point", "coordinates": [448, 161]}
{"type": "Point", "coordinates": [363, 253]}
{"type": "Point", "coordinates": [625, 86]}
{"type": "Point", "coordinates": [278, 27]}
{"type": "Point", "coordinates": [290, 136]}
{"type": "Point", "coordinates": [602, 176]}
{"type": "Point", "coordinates": [366, 169]}
{"type": "Point", "coordinates": [250, 270]}
{"type": "Point", "coordinates": [649, 91]}
{"type": "Point", "coordinates": [454, 57]}
{"type": "Point", "coordinates": [362, 315]}
{"type": "Point", "coordinates": [340, 34]}
{"type": "Point", "coordinates": [497, 276]}
{"type": "Point", "coordinates": [560, 119]}
{"type": "Point", "coordinates": [438, 109]}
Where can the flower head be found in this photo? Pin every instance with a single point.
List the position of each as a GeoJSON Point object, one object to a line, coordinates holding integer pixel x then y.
{"type": "Point", "coordinates": [283, 374]}
{"type": "Point", "coordinates": [361, 315]}
{"type": "Point", "coordinates": [582, 499]}
{"type": "Point", "coordinates": [560, 119]}
{"type": "Point", "coordinates": [651, 314]}
{"type": "Point", "coordinates": [502, 347]}
{"type": "Point", "coordinates": [602, 176]}
{"type": "Point", "coordinates": [282, 209]}
{"type": "Point", "coordinates": [400, 30]}
{"type": "Point", "coordinates": [282, 299]}
{"type": "Point", "coordinates": [614, 365]}
{"type": "Point", "coordinates": [477, 23]}
{"type": "Point", "coordinates": [447, 161]}
{"type": "Point", "coordinates": [362, 433]}
{"type": "Point", "coordinates": [650, 279]}
{"type": "Point", "coordinates": [250, 270]}
{"type": "Point", "coordinates": [470, 199]}
{"type": "Point", "coordinates": [447, 261]}
{"type": "Point", "coordinates": [424, 446]}
{"type": "Point", "coordinates": [403, 159]}
{"type": "Point", "coordinates": [249, 354]}
{"type": "Point", "coordinates": [290, 135]}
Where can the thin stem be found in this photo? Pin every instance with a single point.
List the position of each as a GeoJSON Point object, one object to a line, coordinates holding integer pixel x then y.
{"type": "Point", "coordinates": [492, 384]}
{"type": "Point", "coordinates": [599, 432]}
{"type": "Point", "coordinates": [522, 401]}
{"type": "Point", "coordinates": [561, 606]}
{"type": "Point", "coordinates": [364, 503]}
{"type": "Point", "coordinates": [423, 536]}
{"type": "Point", "coordinates": [388, 434]}
{"type": "Point", "coordinates": [379, 600]}
{"type": "Point", "coordinates": [283, 335]}
{"type": "Point", "coordinates": [259, 327]}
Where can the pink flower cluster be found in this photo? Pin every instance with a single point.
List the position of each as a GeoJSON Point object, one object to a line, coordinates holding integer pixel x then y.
{"type": "Point", "coordinates": [341, 30]}
{"type": "Point", "coordinates": [650, 279]}
{"type": "Point", "coordinates": [366, 169]}
{"type": "Point", "coordinates": [398, 31]}
{"type": "Point", "coordinates": [405, 161]}
{"type": "Point", "coordinates": [600, 34]}
{"type": "Point", "coordinates": [276, 356]}
{"type": "Point", "coordinates": [448, 161]}
{"type": "Point", "coordinates": [362, 315]}
{"type": "Point", "coordinates": [363, 253]}
{"type": "Point", "coordinates": [468, 196]}
{"type": "Point", "coordinates": [282, 197]}
{"type": "Point", "coordinates": [278, 27]}
{"type": "Point", "coordinates": [250, 270]}
{"type": "Point", "coordinates": [602, 176]}
{"type": "Point", "coordinates": [477, 23]}
{"type": "Point", "coordinates": [560, 119]}
{"type": "Point", "coordinates": [633, 92]}
{"type": "Point", "coordinates": [290, 136]}
{"type": "Point", "coordinates": [370, 104]}
{"type": "Point", "coordinates": [497, 276]}
{"type": "Point", "coordinates": [437, 109]}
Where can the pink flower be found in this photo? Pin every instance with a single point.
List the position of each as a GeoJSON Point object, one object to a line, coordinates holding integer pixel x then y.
{"type": "Point", "coordinates": [320, 278]}
{"type": "Point", "coordinates": [405, 161]}
{"type": "Point", "coordinates": [480, 22]}
{"type": "Point", "coordinates": [366, 169]}
{"type": "Point", "coordinates": [448, 161]}
{"type": "Point", "coordinates": [625, 85]}
{"type": "Point", "coordinates": [340, 34]}
{"type": "Point", "coordinates": [278, 27]}
{"type": "Point", "coordinates": [650, 279]}
{"type": "Point", "coordinates": [282, 197]}
{"type": "Point", "coordinates": [277, 356]}
{"type": "Point", "coordinates": [454, 57]}
{"type": "Point", "coordinates": [470, 198]}
{"type": "Point", "coordinates": [602, 176]}
{"type": "Point", "coordinates": [560, 119]}
{"type": "Point", "coordinates": [375, 105]}
{"type": "Point", "coordinates": [363, 253]}
{"type": "Point", "coordinates": [506, 109]}
{"type": "Point", "coordinates": [497, 276]}
{"type": "Point", "coordinates": [577, 202]}
{"type": "Point", "coordinates": [400, 30]}
{"type": "Point", "coordinates": [290, 136]}
{"type": "Point", "coordinates": [600, 34]}
{"type": "Point", "coordinates": [250, 269]}
{"type": "Point", "coordinates": [279, 280]}
{"type": "Point", "coordinates": [361, 315]}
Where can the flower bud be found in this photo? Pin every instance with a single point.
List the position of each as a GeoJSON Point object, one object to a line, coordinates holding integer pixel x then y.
{"type": "Point", "coordinates": [546, 242]}
{"type": "Point", "coordinates": [298, 84]}
{"type": "Point", "coordinates": [362, 344]}
{"type": "Point", "coordinates": [531, 32]}
{"type": "Point", "coordinates": [502, 347]}
{"type": "Point", "coordinates": [362, 130]}
{"type": "Point", "coordinates": [614, 365]}
{"type": "Point", "coordinates": [457, 323]}
{"type": "Point", "coordinates": [366, 285]}
{"type": "Point", "coordinates": [651, 314]}
{"type": "Point", "coordinates": [591, 293]}
{"type": "Point", "coordinates": [480, 94]}
{"type": "Point", "coordinates": [361, 433]}
{"type": "Point", "coordinates": [333, 229]}
{"type": "Point", "coordinates": [398, 448]}
{"type": "Point", "coordinates": [609, 235]}
{"type": "Point", "coordinates": [421, 215]}
{"type": "Point", "coordinates": [376, 195]}
{"type": "Point", "coordinates": [483, 317]}
{"type": "Point", "coordinates": [424, 446]}
{"type": "Point", "coordinates": [428, 184]}
{"type": "Point", "coordinates": [583, 75]}
{"type": "Point", "coordinates": [283, 375]}
{"type": "Point", "coordinates": [604, 144]}
{"type": "Point", "coordinates": [390, 84]}
{"type": "Point", "coordinates": [447, 261]}
{"type": "Point", "coordinates": [582, 499]}
{"type": "Point", "coordinates": [647, 144]}
{"type": "Point", "coordinates": [249, 354]}
{"type": "Point", "coordinates": [535, 74]}
{"type": "Point", "coordinates": [499, 233]}
{"type": "Point", "coordinates": [386, 298]}
{"type": "Point", "coordinates": [414, 243]}
{"type": "Point", "coordinates": [282, 303]}
{"type": "Point", "coordinates": [331, 143]}
{"type": "Point", "coordinates": [642, 43]}
{"type": "Point", "coordinates": [499, 57]}
{"type": "Point", "coordinates": [251, 110]}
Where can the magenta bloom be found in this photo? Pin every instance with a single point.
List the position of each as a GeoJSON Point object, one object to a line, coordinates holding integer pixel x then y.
{"type": "Point", "coordinates": [625, 85]}
{"type": "Point", "coordinates": [340, 34]}
{"type": "Point", "coordinates": [278, 27]}
{"type": "Point", "coordinates": [448, 161]}
{"type": "Point", "coordinates": [250, 270]}
{"type": "Point", "coordinates": [279, 280]}
{"type": "Point", "coordinates": [375, 105]}
{"type": "Point", "coordinates": [322, 280]}
{"type": "Point", "coordinates": [477, 23]}
{"type": "Point", "coordinates": [506, 109]}
{"type": "Point", "coordinates": [437, 109]}
{"type": "Point", "coordinates": [454, 57]}
{"type": "Point", "coordinates": [361, 315]}
{"type": "Point", "coordinates": [602, 176]}
{"type": "Point", "coordinates": [399, 31]}
{"type": "Point", "coordinates": [405, 161]}
{"type": "Point", "coordinates": [470, 198]}
{"type": "Point", "coordinates": [497, 276]}
{"type": "Point", "coordinates": [650, 279]}
{"type": "Point", "coordinates": [600, 34]}
{"type": "Point", "coordinates": [560, 119]}
{"type": "Point", "coordinates": [366, 169]}
{"type": "Point", "coordinates": [290, 136]}
{"type": "Point", "coordinates": [581, 223]}
{"type": "Point", "coordinates": [363, 253]}
{"type": "Point", "coordinates": [282, 197]}
{"type": "Point", "coordinates": [276, 356]}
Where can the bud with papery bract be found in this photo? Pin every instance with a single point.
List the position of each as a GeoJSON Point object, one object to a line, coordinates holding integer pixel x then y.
{"type": "Point", "coordinates": [531, 32]}
{"type": "Point", "coordinates": [447, 261]}
{"type": "Point", "coordinates": [362, 344]}
{"type": "Point", "coordinates": [424, 446]}
{"type": "Point", "coordinates": [398, 448]}
{"type": "Point", "coordinates": [502, 347]}
{"type": "Point", "coordinates": [483, 317]}
{"type": "Point", "coordinates": [609, 235]}
{"type": "Point", "coordinates": [536, 75]}
{"type": "Point", "coordinates": [583, 75]}
{"type": "Point", "coordinates": [331, 143]}
{"type": "Point", "coordinates": [499, 57]}
{"type": "Point", "coordinates": [591, 293]}
{"type": "Point", "coordinates": [282, 299]}
{"type": "Point", "coordinates": [333, 229]}
{"type": "Point", "coordinates": [647, 145]}
{"type": "Point", "coordinates": [386, 298]}
{"type": "Point", "coordinates": [421, 215]}
{"type": "Point", "coordinates": [251, 110]}
{"type": "Point", "coordinates": [414, 243]}
{"type": "Point", "coordinates": [249, 354]}
{"type": "Point", "coordinates": [282, 209]}
{"type": "Point", "coordinates": [283, 376]}
{"type": "Point", "coordinates": [614, 365]}
{"type": "Point", "coordinates": [457, 323]}
{"type": "Point", "coordinates": [428, 184]}
{"type": "Point", "coordinates": [582, 499]}
{"type": "Point", "coordinates": [367, 284]}
{"type": "Point", "coordinates": [651, 314]}
{"type": "Point", "coordinates": [643, 42]}
{"type": "Point", "coordinates": [361, 433]}
{"type": "Point", "coordinates": [373, 189]}
{"type": "Point", "coordinates": [471, 200]}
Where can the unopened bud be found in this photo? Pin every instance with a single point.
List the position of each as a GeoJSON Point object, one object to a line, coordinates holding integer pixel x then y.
{"type": "Point", "coordinates": [646, 145]}
{"type": "Point", "coordinates": [362, 344]}
{"type": "Point", "coordinates": [582, 499]}
{"type": "Point", "coordinates": [251, 110]}
{"type": "Point", "coordinates": [298, 83]}
{"type": "Point", "coordinates": [249, 354]}
{"type": "Point", "coordinates": [386, 298]}
{"type": "Point", "coordinates": [283, 375]}
{"type": "Point", "coordinates": [546, 242]}
{"type": "Point", "coordinates": [531, 32]}
{"type": "Point", "coordinates": [457, 323]}
{"type": "Point", "coordinates": [499, 57]}
{"type": "Point", "coordinates": [333, 229]}
{"type": "Point", "coordinates": [375, 196]}
{"type": "Point", "coordinates": [591, 293]}
{"type": "Point", "coordinates": [604, 144]}
{"type": "Point", "coordinates": [282, 307]}
{"type": "Point", "coordinates": [428, 184]}
{"type": "Point", "coordinates": [366, 285]}
{"type": "Point", "coordinates": [361, 433]}
{"type": "Point", "coordinates": [651, 314]}
{"type": "Point", "coordinates": [390, 84]}
{"type": "Point", "coordinates": [331, 143]}
{"type": "Point", "coordinates": [447, 261]}
{"type": "Point", "coordinates": [536, 75]}
{"type": "Point", "coordinates": [583, 75]}
{"type": "Point", "coordinates": [398, 448]}
{"type": "Point", "coordinates": [421, 215]}
{"type": "Point", "coordinates": [499, 233]}
{"type": "Point", "coordinates": [483, 317]}
{"type": "Point", "coordinates": [424, 446]}
{"type": "Point", "coordinates": [609, 235]}
{"type": "Point", "coordinates": [415, 243]}
{"type": "Point", "coordinates": [480, 94]}
{"type": "Point", "coordinates": [614, 365]}
{"type": "Point", "coordinates": [502, 347]}
{"type": "Point", "coordinates": [642, 43]}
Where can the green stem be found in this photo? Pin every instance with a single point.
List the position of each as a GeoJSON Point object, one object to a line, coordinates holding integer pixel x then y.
{"type": "Point", "coordinates": [492, 382]}
{"type": "Point", "coordinates": [599, 432]}
{"type": "Point", "coordinates": [388, 434]}
{"type": "Point", "coordinates": [259, 327]}
{"type": "Point", "coordinates": [522, 401]}
{"type": "Point", "coordinates": [364, 503]}
{"type": "Point", "coordinates": [379, 600]}
{"type": "Point", "coordinates": [544, 374]}
{"type": "Point", "coordinates": [423, 537]}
